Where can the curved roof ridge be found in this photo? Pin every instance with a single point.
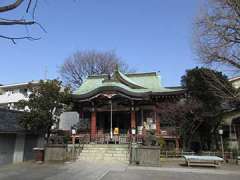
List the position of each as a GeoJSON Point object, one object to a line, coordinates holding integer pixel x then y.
{"type": "Point", "coordinates": [127, 80]}
{"type": "Point", "coordinates": [153, 73]}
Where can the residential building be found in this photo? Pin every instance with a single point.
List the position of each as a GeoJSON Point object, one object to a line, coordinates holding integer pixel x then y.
{"type": "Point", "coordinates": [12, 93]}
{"type": "Point", "coordinates": [231, 118]}
{"type": "Point", "coordinates": [235, 82]}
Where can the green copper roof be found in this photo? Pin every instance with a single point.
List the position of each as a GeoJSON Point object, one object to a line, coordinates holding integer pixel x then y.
{"type": "Point", "coordinates": [133, 83]}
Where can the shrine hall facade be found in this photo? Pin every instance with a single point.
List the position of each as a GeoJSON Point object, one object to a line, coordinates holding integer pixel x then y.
{"type": "Point", "coordinates": [114, 107]}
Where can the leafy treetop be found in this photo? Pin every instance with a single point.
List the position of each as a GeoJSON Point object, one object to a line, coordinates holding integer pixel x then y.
{"type": "Point", "coordinates": [46, 102]}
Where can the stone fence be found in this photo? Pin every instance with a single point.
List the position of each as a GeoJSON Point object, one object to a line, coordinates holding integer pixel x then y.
{"type": "Point", "coordinates": [61, 152]}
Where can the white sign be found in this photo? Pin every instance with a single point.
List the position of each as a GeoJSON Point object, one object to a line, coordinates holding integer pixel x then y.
{"type": "Point", "coordinates": [149, 121]}
{"type": "Point", "coordinates": [74, 131]}
{"type": "Point", "coordinates": [153, 126]}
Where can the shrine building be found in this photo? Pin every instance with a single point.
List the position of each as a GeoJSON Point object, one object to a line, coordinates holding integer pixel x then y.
{"type": "Point", "coordinates": [114, 107]}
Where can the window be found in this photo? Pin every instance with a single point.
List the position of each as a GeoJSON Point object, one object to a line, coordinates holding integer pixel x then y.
{"type": "Point", "coordinates": [9, 92]}
{"type": "Point", "coordinates": [15, 91]}
{"type": "Point", "coordinates": [24, 91]}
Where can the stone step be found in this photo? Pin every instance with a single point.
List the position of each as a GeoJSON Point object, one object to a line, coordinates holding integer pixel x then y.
{"type": "Point", "coordinates": [106, 145]}
{"type": "Point", "coordinates": [103, 158]}
{"type": "Point", "coordinates": [106, 154]}
{"type": "Point", "coordinates": [93, 152]}
{"type": "Point", "coordinates": [100, 147]}
{"type": "Point", "coordinates": [118, 147]}
{"type": "Point", "coordinates": [105, 151]}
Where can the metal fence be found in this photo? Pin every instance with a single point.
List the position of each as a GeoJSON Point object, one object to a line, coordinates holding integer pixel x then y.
{"type": "Point", "coordinates": [178, 154]}
{"type": "Point", "coordinates": [152, 155]}
{"type": "Point", "coordinates": [174, 154]}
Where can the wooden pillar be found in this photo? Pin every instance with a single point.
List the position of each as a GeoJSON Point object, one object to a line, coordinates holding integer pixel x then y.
{"type": "Point", "coordinates": [142, 117]}
{"type": "Point", "coordinates": [133, 119]}
{"type": "Point", "coordinates": [177, 144]}
{"type": "Point", "coordinates": [158, 131]}
{"type": "Point", "coordinates": [81, 114]}
{"type": "Point", "coordinates": [133, 125]}
{"type": "Point", "coordinates": [93, 125]}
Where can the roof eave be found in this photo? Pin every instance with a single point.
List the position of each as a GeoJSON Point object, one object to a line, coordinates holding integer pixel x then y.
{"type": "Point", "coordinates": [142, 95]}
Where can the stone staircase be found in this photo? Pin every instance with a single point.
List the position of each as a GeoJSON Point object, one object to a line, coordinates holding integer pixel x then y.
{"type": "Point", "coordinates": [110, 152]}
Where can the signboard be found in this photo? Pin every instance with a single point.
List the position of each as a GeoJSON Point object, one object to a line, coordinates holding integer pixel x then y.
{"type": "Point", "coordinates": [153, 126]}
{"type": "Point", "coordinates": [139, 129]}
{"type": "Point", "coordinates": [149, 121]}
{"type": "Point", "coordinates": [116, 131]}
{"type": "Point", "coordinates": [149, 124]}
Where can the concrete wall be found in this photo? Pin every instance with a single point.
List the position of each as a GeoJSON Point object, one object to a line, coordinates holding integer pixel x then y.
{"type": "Point", "coordinates": [12, 138]}
{"type": "Point", "coordinates": [19, 148]}
{"type": "Point", "coordinates": [16, 148]}
{"type": "Point", "coordinates": [55, 153]}
{"type": "Point", "coordinates": [7, 143]}
{"type": "Point", "coordinates": [145, 155]}
{"type": "Point", "coordinates": [60, 152]}
{"type": "Point", "coordinates": [30, 143]}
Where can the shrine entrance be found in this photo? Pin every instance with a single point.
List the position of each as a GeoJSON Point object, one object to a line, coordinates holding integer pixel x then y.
{"type": "Point", "coordinates": [120, 121]}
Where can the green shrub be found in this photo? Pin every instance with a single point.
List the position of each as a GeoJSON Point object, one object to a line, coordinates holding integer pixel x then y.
{"type": "Point", "coordinates": [161, 142]}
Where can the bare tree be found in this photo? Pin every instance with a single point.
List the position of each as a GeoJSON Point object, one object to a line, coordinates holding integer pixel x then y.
{"type": "Point", "coordinates": [217, 35]}
{"type": "Point", "coordinates": [82, 64]}
{"type": "Point", "coordinates": [29, 13]}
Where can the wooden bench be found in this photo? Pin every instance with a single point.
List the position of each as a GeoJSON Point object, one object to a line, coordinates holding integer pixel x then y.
{"type": "Point", "coordinates": [203, 160]}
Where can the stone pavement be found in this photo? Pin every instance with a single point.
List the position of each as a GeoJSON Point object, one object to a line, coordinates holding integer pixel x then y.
{"type": "Point", "coordinates": [60, 171]}
{"type": "Point", "coordinates": [173, 171]}
{"type": "Point", "coordinates": [170, 174]}
{"type": "Point", "coordinates": [108, 170]}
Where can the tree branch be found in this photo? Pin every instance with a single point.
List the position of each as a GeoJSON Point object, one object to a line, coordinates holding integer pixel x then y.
{"type": "Point", "coordinates": [13, 39]}
{"type": "Point", "coordinates": [16, 22]}
{"type": "Point", "coordinates": [34, 9]}
{"type": "Point", "coordinates": [29, 5]}
{"type": "Point", "coordinates": [11, 6]}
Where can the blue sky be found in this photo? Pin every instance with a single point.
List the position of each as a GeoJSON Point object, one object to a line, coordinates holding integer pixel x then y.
{"type": "Point", "coordinates": [149, 35]}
